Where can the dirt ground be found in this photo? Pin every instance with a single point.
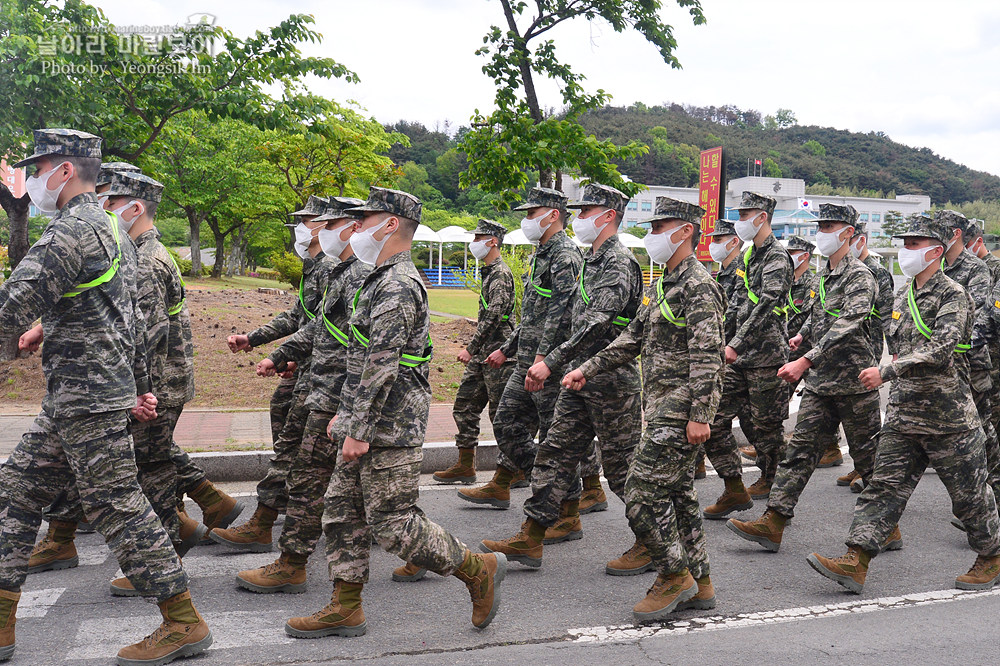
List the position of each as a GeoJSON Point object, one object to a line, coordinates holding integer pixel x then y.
{"type": "Point", "coordinates": [224, 380]}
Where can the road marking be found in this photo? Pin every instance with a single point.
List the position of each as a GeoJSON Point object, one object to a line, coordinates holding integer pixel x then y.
{"type": "Point", "coordinates": [36, 603]}
{"type": "Point", "coordinates": [760, 618]}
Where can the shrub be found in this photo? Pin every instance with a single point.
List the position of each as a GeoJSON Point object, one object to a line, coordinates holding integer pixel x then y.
{"type": "Point", "coordinates": [288, 266]}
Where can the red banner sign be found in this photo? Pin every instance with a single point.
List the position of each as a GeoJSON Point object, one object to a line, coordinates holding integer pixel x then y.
{"type": "Point", "coordinates": [711, 195]}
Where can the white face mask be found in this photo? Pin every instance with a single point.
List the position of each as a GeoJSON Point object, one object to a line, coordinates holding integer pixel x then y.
{"type": "Point", "coordinates": [365, 245]}
{"type": "Point", "coordinates": [532, 228]}
{"type": "Point", "coordinates": [746, 229]}
{"type": "Point", "coordinates": [102, 199]}
{"type": "Point", "coordinates": [719, 251]}
{"type": "Point", "coordinates": [44, 199]}
{"type": "Point", "coordinates": [971, 247]}
{"type": "Point", "coordinates": [950, 244]}
{"type": "Point", "coordinates": [799, 259]}
{"type": "Point", "coordinates": [479, 249]}
{"type": "Point", "coordinates": [857, 247]}
{"type": "Point", "coordinates": [124, 224]}
{"type": "Point", "coordinates": [912, 262]}
{"type": "Point", "coordinates": [828, 242]}
{"type": "Point", "coordinates": [660, 247]}
{"type": "Point", "coordinates": [330, 241]}
{"type": "Point", "coordinates": [585, 229]}
{"type": "Point", "coordinates": [303, 238]}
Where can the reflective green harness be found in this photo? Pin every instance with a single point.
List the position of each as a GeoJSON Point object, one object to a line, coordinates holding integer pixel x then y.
{"type": "Point", "coordinates": [918, 321]}
{"type": "Point", "coordinates": [836, 313]}
{"type": "Point", "coordinates": [486, 306]}
{"type": "Point", "coordinates": [541, 291]}
{"type": "Point", "coordinates": [180, 306]}
{"type": "Point", "coordinates": [754, 298]}
{"type": "Point", "coordinates": [409, 360]}
{"type": "Point", "coordinates": [106, 275]}
{"type": "Point", "coordinates": [302, 299]}
{"type": "Point", "coordinates": [331, 328]}
{"type": "Point", "coordinates": [665, 310]}
{"type": "Point", "coordinates": [617, 321]}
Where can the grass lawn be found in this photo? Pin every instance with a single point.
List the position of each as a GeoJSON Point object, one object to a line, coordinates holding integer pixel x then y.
{"type": "Point", "coordinates": [461, 302]}
{"type": "Point", "coordinates": [235, 282]}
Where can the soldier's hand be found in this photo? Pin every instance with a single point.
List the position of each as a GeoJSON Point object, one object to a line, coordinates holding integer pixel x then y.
{"type": "Point", "coordinates": [792, 372]}
{"type": "Point", "coordinates": [870, 378]}
{"type": "Point", "coordinates": [265, 368]}
{"type": "Point", "coordinates": [574, 380]}
{"type": "Point", "coordinates": [353, 449]}
{"type": "Point", "coordinates": [238, 343]}
{"type": "Point", "coordinates": [145, 407]}
{"type": "Point", "coordinates": [289, 371]}
{"type": "Point", "coordinates": [794, 343]}
{"type": "Point", "coordinates": [698, 433]}
{"type": "Point", "coordinates": [537, 374]}
{"type": "Point", "coordinates": [730, 354]}
{"type": "Point", "coordinates": [496, 359]}
{"type": "Point", "coordinates": [329, 426]}
{"type": "Point", "coordinates": [464, 357]}
{"type": "Point", "coordinates": [31, 340]}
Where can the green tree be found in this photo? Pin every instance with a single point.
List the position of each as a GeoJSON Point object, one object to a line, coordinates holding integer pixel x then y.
{"type": "Point", "coordinates": [893, 223]}
{"type": "Point", "coordinates": [785, 118]}
{"type": "Point", "coordinates": [771, 168]}
{"type": "Point", "coordinates": [814, 147]}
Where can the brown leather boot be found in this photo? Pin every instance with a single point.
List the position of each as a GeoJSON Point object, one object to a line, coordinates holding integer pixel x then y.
{"type": "Point", "coordinates": [700, 472]}
{"type": "Point", "coordinates": [285, 574]}
{"type": "Point", "coordinates": [253, 536]}
{"type": "Point", "coordinates": [749, 451]}
{"type": "Point", "coordinates": [760, 489]}
{"type": "Point", "coordinates": [183, 633]}
{"type": "Point", "coordinates": [56, 550]}
{"type": "Point", "coordinates": [663, 598]}
{"type": "Point", "coordinates": [495, 493]}
{"type": "Point", "coordinates": [217, 508]}
{"type": "Point", "coordinates": [831, 457]}
{"type": "Point", "coordinates": [408, 573]}
{"type": "Point", "coordinates": [857, 485]}
{"type": "Point", "coordinates": [849, 569]}
{"type": "Point", "coordinates": [634, 561]}
{"type": "Point", "coordinates": [8, 616]}
{"type": "Point", "coordinates": [734, 498]}
{"type": "Point", "coordinates": [848, 478]}
{"type": "Point", "coordinates": [894, 541]}
{"type": "Point", "coordinates": [482, 574]}
{"type": "Point", "coordinates": [704, 600]}
{"type": "Point", "coordinates": [464, 471]}
{"type": "Point", "coordinates": [766, 530]}
{"type": "Point", "coordinates": [593, 498]}
{"type": "Point", "coordinates": [983, 575]}
{"type": "Point", "coordinates": [568, 527]}
{"type": "Point", "coordinates": [122, 587]}
{"type": "Point", "coordinates": [343, 616]}
{"type": "Point", "coordinates": [519, 480]}
{"type": "Point", "coordinates": [192, 532]}
{"type": "Point", "coordinates": [525, 547]}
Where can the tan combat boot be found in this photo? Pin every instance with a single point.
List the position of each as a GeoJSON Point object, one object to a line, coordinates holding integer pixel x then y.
{"type": "Point", "coordinates": [8, 616]}
{"type": "Point", "coordinates": [285, 574]}
{"type": "Point", "coordinates": [831, 457]}
{"type": "Point", "coordinates": [760, 489]}
{"type": "Point", "coordinates": [983, 575]}
{"type": "Point", "coordinates": [519, 480]}
{"type": "Point", "coordinates": [666, 594]}
{"type": "Point", "coordinates": [704, 600]}
{"type": "Point", "coordinates": [464, 471]}
{"type": "Point", "coordinates": [525, 547]}
{"type": "Point", "coordinates": [192, 532]}
{"type": "Point", "coordinates": [848, 478]}
{"type": "Point", "coordinates": [496, 492]}
{"type": "Point", "coordinates": [217, 508]}
{"type": "Point", "coordinates": [734, 498]}
{"type": "Point", "coordinates": [849, 569]}
{"type": "Point", "coordinates": [568, 527]}
{"type": "Point", "coordinates": [253, 536]}
{"type": "Point", "coordinates": [408, 573]}
{"type": "Point", "coordinates": [766, 530]}
{"type": "Point", "coordinates": [749, 451]}
{"type": "Point", "coordinates": [183, 633]}
{"type": "Point", "coordinates": [122, 587]}
{"type": "Point", "coordinates": [592, 498]}
{"type": "Point", "coordinates": [482, 574]}
{"type": "Point", "coordinates": [634, 561]}
{"type": "Point", "coordinates": [56, 550]}
{"type": "Point", "coordinates": [700, 472]}
{"type": "Point", "coordinates": [857, 485]}
{"type": "Point", "coordinates": [343, 616]}
{"type": "Point", "coordinates": [894, 541]}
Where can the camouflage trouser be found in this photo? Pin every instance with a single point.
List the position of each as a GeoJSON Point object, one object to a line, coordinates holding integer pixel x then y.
{"type": "Point", "coordinates": [189, 475]}
{"type": "Point", "coordinates": [757, 393]}
{"type": "Point", "coordinates": [377, 494]}
{"type": "Point", "coordinates": [661, 503]}
{"type": "Point", "coordinates": [271, 490]}
{"type": "Point", "coordinates": [519, 416]}
{"type": "Point", "coordinates": [281, 402]}
{"type": "Point", "coordinates": [995, 390]}
{"type": "Point", "coordinates": [308, 478]}
{"type": "Point", "coordinates": [94, 452]}
{"type": "Point", "coordinates": [817, 427]}
{"type": "Point", "coordinates": [616, 420]}
{"type": "Point", "coordinates": [900, 461]}
{"type": "Point", "coordinates": [984, 407]}
{"type": "Point", "coordinates": [481, 386]}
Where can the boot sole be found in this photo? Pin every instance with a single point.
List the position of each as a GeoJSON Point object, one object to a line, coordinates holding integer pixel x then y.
{"type": "Point", "coordinates": [228, 520]}
{"type": "Point", "coordinates": [199, 535]}
{"type": "Point", "coordinates": [498, 577]}
{"type": "Point", "coordinates": [181, 652]}
{"type": "Point", "coordinates": [345, 632]}
{"type": "Point", "coordinates": [698, 476]}
{"type": "Point", "coordinates": [410, 579]}
{"type": "Point", "coordinates": [495, 503]}
{"type": "Point", "coordinates": [844, 484]}
{"type": "Point", "coordinates": [958, 524]}
{"type": "Point", "coordinates": [652, 616]}
{"type": "Point", "coordinates": [246, 547]}
{"type": "Point", "coordinates": [846, 581]}
{"type": "Point", "coordinates": [733, 509]}
{"type": "Point", "coordinates": [524, 483]}
{"type": "Point", "coordinates": [6, 652]}
{"type": "Point", "coordinates": [628, 572]}
{"type": "Point", "coordinates": [572, 536]}
{"type": "Point", "coordinates": [697, 604]}
{"type": "Point", "coordinates": [124, 591]}
{"type": "Point", "coordinates": [56, 565]}
{"type": "Point", "coordinates": [893, 545]}
{"type": "Point", "coordinates": [287, 588]}
{"type": "Point", "coordinates": [533, 562]}
{"type": "Point", "coordinates": [85, 528]}
{"type": "Point", "coordinates": [760, 496]}
{"type": "Point", "coordinates": [761, 540]}
{"type": "Point", "coordinates": [835, 463]}
{"type": "Point", "coordinates": [857, 489]}
{"type": "Point", "coordinates": [600, 506]}
{"type": "Point", "coordinates": [977, 586]}
{"type": "Point", "coordinates": [464, 480]}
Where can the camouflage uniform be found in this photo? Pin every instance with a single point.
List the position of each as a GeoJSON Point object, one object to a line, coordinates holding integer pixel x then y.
{"type": "Point", "coordinates": [728, 277]}
{"type": "Point", "coordinates": [610, 405]}
{"type": "Point", "coordinates": [883, 305]}
{"type": "Point", "coordinates": [679, 333]}
{"type": "Point", "coordinates": [94, 362]}
{"type": "Point", "coordinates": [797, 304]}
{"type": "Point", "coordinates": [931, 417]}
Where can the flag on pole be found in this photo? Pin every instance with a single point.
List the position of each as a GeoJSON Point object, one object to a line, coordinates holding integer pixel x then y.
{"type": "Point", "coordinates": [806, 204]}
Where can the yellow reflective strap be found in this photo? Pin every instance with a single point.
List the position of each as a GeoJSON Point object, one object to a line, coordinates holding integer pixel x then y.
{"type": "Point", "coordinates": [180, 306]}
{"type": "Point", "coordinates": [486, 306]}
{"type": "Point", "coordinates": [409, 360]}
{"type": "Point", "coordinates": [746, 282]}
{"type": "Point", "coordinates": [302, 284]}
{"type": "Point", "coordinates": [108, 274]}
{"type": "Point", "coordinates": [541, 291]}
{"type": "Point", "coordinates": [665, 309]}
{"type": "Point", "coordinates": [918, 321]}
{"type": "Point", "coordinates": [331, 328]}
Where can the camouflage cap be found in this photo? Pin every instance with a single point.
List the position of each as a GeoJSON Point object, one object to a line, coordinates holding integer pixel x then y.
{"type": "Point", "coordinates": [723, 228]}
{"type": "Point", "coordinates": [134, 185]}
{"type": "Point", "coordinates": [335, 208]}
{"type": "Point", "coordinates": [384, 200]}
{"type": "Point", "coordinates": [854, 212]}
{"type": "Point", "coordinates": [314, 206]}
{"type": "Point", "coordinates": [544, 197]}
{"type": "Point", "coordinates": [922, 226]}
{"type": "Point", "coordinates": [601, 195]}
{"type": "Point", "coordinates": [952, 218]}
{"type": "Point", "coordinates": [675, 209]}
{"type": "Point", "coordinates": [109, 168]}
{"type": "Point", "coordinates": [65, 142]}
{"type": "Point", "coordinates": [975, 229]}
{"type": "Point", "coordinates": [753, 200]}
{"type": "Point", "coordinates": [829, 212]}
{"type": "Point", "coordinates": [800, 243]}
{"type": "Point", "coordinates": [490, 228]}
{"type": "Point", "coordinates": [860, 229]}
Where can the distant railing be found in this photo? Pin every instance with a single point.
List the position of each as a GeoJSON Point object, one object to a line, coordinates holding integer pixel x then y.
{"type": "Point", "coordinates": [447, 277]}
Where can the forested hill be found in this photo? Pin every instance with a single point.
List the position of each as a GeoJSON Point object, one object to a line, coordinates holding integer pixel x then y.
{"type": "Point", "coordinates": [825, 158]}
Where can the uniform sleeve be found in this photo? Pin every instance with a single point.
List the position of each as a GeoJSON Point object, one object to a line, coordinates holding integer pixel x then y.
{"type": "Point", "coordinates": [859, 297]}
{"type": "Point", "coordinates": [152, 281]}
{"type": "Point", "coordinates": [563, 285]}
{"type": "Point", "coordinates": [884, 305]}
{"type": "Point", "coordinates": [947, 331]}
{"type": "Point", "coordinates": [703, 316]}
{"type": "Point", "coordinates": [498, 291]}
{"type": "Point", "coordinates": [299, 346]}
{"type": "Point", "coordinates": [281, 326]}
{"type": "Point", "coordinates": [140, 358]}
{"type": "Point", "coordinates": [509, 347]}
{"type": "Point", "coordinates": [622, 349]}
{"type": "Point", "coordinates": [776, 282]}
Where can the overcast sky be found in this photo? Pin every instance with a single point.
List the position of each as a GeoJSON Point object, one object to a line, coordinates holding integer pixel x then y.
{"type": "Point", "coordinates": [925, 72]}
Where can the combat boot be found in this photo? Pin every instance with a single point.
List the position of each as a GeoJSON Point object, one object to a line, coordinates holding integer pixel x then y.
{"type": "Point", "coordinates": [704, 600]}
{"type": "Point", "coordinates": [122, 587]}
{"type": "Point", "coordinates": [766, 530]}
{"type": "Point", "coordinates": [699, 470]}
{"type": "Point", "coordinates": [831, 457]}
{"type": "Point", "coordinates": [760, 489]}
{"type": "Point", "coordinates": [849, 569]}
{"type": "Point", "coordinates": [749, 451]}
{"type": "Point", "coordinates": [183, 633]}
{"type": "Point", "coordinates": [734, 498]}
{"type": "Point", "coordinates": [408, 573]}
{"type": "Point", "coordinates": [857, 485]}
{"type": "Point", "coordinates": [496, 492]}
{"type": "Point", "coordinates": [667, 593]}
{"type": "Point", "coordinates": [568, 527]}
{"type": "Point", "coordinates": [520, 480]}
{"type": "Point", "coordinates": [285, 574]}
{"type": "Point", "coordinates": [848, 478]}
{"type": "Point", "coordinates": [253, 536]}
{"type": "Point", "coordinates": [192, 532]}
{"type": "Point", "coordinates": [957, 523]}
{"type": "Point", "coordinates": [56, 550]}
{"type": "Point", "coordinates": [217, 508]}
{"type": "Point", "coordinates": [894, 541]}
{"type": "Point", "coordinates": [983, 575]}
{"type": "Point", "coordinates": [593, 498]}
{"type": "Point", "coordinates": [634, 561]}
{"type": "Point", "coordinates": [343, 616]}
{"type": "Point", "coordinates": [525, 547]}
{"type": "Point", "coordinates": [464, 471]}
{"type": "Point", "coordinates": [482, 574]}
{"type": "Point", "coordinates": [8, 613]}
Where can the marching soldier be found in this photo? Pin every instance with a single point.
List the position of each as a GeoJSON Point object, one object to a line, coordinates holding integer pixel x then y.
{"type": "Point", "coordinates": [725, 250]}
{"type": "Point", "coordinates": [977, 246]}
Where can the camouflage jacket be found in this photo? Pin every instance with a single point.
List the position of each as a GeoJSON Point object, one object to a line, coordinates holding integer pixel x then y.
{"type": "Point", "coordinates": [799, 300]}
{"type": "Point", "coordinates": [496, 310]}
{"type": "Point", "coordinates": [928, 394]}
{"type": "Point", "coordinates": [549, 290]}
{"type": "Point", "coordinates": [761, 339]}
{"type": "Point", "coordinates": [680, 338]}
{"type": "Point", "coordinates": [386, 395]}
{"type": "Point", "coordinates": [993, 263]}
{"type": "Point", "coordinates": [839, 328]}
{"type": "Point", "coordinates": [94, 355]}
{"type": "Point", "coordinates": [971, 272]}
{"type": "Point", "coordinates": [326, 338]}
{"type": "Point", "coordinates": [728, 279]}
{"type": "Point", "coordinates": [310, 294]}
{"type": "Point", "coordinates": [883, 303]}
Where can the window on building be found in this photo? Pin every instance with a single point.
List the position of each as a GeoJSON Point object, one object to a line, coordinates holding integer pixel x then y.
{"type": "Point", "coordinates": [876, 217]}
{"type": "Point", "coordinates": [647, 206]}
{"type": "Point", "coordinates": [632, 205]}
{"type": "Point", "coordinates": [864, 217]}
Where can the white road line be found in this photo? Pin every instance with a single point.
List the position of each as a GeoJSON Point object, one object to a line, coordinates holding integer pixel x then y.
{"type": "Point", "coordinates": [36, 603]}
{"type": "Point", "coordinates": [760, 618]}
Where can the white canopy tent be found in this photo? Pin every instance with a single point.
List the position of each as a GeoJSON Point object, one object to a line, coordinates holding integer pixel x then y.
{"type": "Point", "coordinates": [456, 234]}
{"type": "Point", "coordinates": [425, 234]}
{"type": "Point", "coordinates": [516, 237]}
